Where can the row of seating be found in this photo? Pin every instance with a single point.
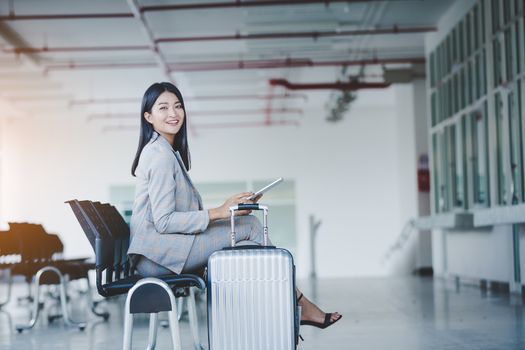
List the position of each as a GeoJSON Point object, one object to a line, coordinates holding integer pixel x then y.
{"type": "Point", "coordinates": [28, 250]}
{"type": "Point", "coordinates": [109, 236]}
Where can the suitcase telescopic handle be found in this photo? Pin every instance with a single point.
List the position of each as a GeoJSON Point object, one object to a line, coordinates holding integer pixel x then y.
{"type": "Point", "coordinates": [254, 206]}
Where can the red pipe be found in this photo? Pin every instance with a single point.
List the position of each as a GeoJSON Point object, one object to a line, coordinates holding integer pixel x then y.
{"type": "Point", "coordinates": [231, 65]}
{"type": "Point", "coordinates": [283, 35]}
{"type": "Point", "coordinates": [246, 112]}
{"type": "Point", "coordinates": [190, 98]}
{"type": "Point", "coordinates": [314, 35]}
{"type": "Point", "coordinates": [19, 50]}
{"type": "Point", "coordinates": [98, 66]}
{"type": "Point", "coordinates": [187, 6]}
{"type": "Point", "coordinates": [13, 17]}
{"type": "Point", "coordinates": [215, 125]}
{"type": "Point", "coordinates": [246, 124]}
{"type": "Point", "coordinates": [203, 113]}
{"type": "Point", "coordinates": [239, 4]}
{"type": "Point", "coordinates": [323, 86]}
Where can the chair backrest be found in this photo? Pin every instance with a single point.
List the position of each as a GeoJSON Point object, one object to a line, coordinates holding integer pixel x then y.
{"type": "Point", "coordinates": [50, 244]}
{"type": "Point", "coordinates": [86, 227]}
{"type": "Point", "coordinates": [101, 222]}
{"type": "Point", "coordinates": [112, 219]}
{"type": "Point", "coordinates": [10, 248]}
{"type": "Point", "coordinates": [32, 242]}
{"type": "Point", "coordinates": [104, 244]}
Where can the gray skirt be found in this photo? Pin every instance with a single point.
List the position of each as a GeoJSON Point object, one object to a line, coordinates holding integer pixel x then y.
{"type": "Point", "coordinates": [248, 231]}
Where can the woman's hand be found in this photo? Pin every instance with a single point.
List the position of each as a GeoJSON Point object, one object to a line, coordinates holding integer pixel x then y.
{"type": "Point", "coordinates": [223, 212]}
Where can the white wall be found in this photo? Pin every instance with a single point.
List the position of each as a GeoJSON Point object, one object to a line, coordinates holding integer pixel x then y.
{"type": "Point", "coordinates": [354, 175]}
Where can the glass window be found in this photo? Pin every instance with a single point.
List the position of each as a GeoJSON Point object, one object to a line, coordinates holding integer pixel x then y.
{"type": "Point", "coordinates": [458, 133]}
{"type": "Point", "coordinates": [475, 29]}
{"type": "Point", "coordinates": [440, 167]}
{"type": "Point", "coordinates": [519, 7]}
{"type": "Point", "coordinates": [469, 43]}
{"type": "Point", "coordinates": [450, 165]}
{"type": "Point", "coordinates": [473, 80]}
{"type": "Point", "coordinates": [496, 23]}
{"type": "Point", "coordinates": [454, 48]}
{"type": "Point", "coordinates": [479, 156]}
{"type": "Point", "coordinates": [455, 95]}
{"type": "Point", "coordinates": [507, 11]}
{"type": "Point", "coordinates": [460, 42]}
{"type": "Point", "coordinates": [481, 23]}
{"type": "Point", "coordinates": [520, 48]}
{"type": "Point", "coordinates": [432, 70]}
{"type": "Point", "coordinates": [438, 64]}
{"type": "Point", "coordinates": [435, 173]}
{"type": "Point", "coordinates": [515, 144]}
{"type": "Point", "coordinates": [500, 151]}
{"type": "Point", "coordinates": [461, 89]}
{"type": "Point", "coordinates": [466, 85]}
{"type": "Point", "coordinates": [510, 57]}
{"type": "Point", "coordinates": [482, 74]}
{"type": "Point", "coordinates": [498, 62]}
{"type": "Point", "coordinates": [443, 168]}
{"type": "Point", "coordinates": [433, 107]}
{"type": "Point", "coordinates": [451, 100]}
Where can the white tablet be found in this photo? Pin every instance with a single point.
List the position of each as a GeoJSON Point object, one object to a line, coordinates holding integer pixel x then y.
{"type": "Point", "coordinates": [265, 188]}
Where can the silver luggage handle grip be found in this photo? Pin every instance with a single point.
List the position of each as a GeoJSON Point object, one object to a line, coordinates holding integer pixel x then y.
{"type": "Point", "coordinates": [254, 206]}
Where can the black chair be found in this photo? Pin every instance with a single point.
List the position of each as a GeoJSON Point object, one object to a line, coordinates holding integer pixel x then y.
{"type": "Point", "coordinates": [41, 262]}
{"type": "Point", "coordinates": [10, 255]}
{"type": "Point", "coordinates": [109, 236]}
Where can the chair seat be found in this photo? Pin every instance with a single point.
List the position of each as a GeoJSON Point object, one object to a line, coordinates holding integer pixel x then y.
{"type": "Point", "coordinates": [75, 269]}
{"type": "Point", "coordinates": [174, 281]}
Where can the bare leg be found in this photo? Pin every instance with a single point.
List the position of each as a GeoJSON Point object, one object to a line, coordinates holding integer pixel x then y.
{"type": "Point", "coordinates": [311, 312]}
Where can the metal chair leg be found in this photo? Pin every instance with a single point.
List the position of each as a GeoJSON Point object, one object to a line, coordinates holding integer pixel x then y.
{"type": "Point", "coordinates": [36, 301]}
{"type": "Point", "coordinates": [63, 302]}
{"type": "Point", "coordinates": [194, 322]}
{"type": "Point", "coordinates": [174, 323]}
{"type": "Point", "coordinates": [180, 308]}
{"type": "Point", "coordinates": [36, 309]}
{"type": "Point", "coordinates": [92, 305]}
{"type": "Point", "coordinates": [174, 326]}
{"type": "Point", "coordinates": [152, 338]}
{"type": "Point", "coordinates": [128, 329]}
{"type": "Point", "coordinates": [9, 287]}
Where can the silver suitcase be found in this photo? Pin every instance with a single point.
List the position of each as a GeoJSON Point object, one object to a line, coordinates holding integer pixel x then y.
{"type": "Point", "coordinates": [251, 295]}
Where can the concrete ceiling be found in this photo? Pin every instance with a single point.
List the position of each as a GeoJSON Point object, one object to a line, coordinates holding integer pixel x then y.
{"type": "Point", "coordinates": [94, 59]}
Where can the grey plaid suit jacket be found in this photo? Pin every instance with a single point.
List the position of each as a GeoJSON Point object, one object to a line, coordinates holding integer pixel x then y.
{"type": "Point", "coordinates": [167, 211]}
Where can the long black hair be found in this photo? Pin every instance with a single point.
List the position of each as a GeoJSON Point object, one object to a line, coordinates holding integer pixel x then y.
{"type": "Point", "coordinates": [146, 129]}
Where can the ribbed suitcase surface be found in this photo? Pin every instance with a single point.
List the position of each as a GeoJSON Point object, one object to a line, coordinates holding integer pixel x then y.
{"type": "Point", "coordinates": [251, 303]}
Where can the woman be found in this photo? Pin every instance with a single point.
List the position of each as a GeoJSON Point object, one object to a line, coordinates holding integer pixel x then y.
{"type": "Point", "coordinates": [170, 230]}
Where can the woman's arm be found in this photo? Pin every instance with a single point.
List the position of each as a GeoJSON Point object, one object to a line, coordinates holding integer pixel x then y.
{"type": "Point", "coordinates": [223, 212]}
{"type": "Point", "coordinates": [163, 196]}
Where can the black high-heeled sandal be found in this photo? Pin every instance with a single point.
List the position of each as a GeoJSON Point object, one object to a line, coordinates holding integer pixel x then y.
{"type": "Point", "coordinates": [326, 323]}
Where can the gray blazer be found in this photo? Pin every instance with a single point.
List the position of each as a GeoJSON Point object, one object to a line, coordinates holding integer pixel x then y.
{"type": "Point", "coordinates": [167, 211]}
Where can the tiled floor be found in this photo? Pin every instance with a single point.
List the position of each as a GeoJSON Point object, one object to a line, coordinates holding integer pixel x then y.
{"type": "Point", "coordinates": [382, 313]}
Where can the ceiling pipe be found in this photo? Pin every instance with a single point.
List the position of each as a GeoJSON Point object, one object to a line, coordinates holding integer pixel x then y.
{"type": "Point", "coordinates": [289, 35]}
{"type": "Point", "coordinates": [213, 125]}
{"type": "Point", "coordinates": [161, 61]}
{"type": "Point", "coordinates": [45, 49]}
{"type": "Point", "coordinates": [242, 4]}
{"type": "Point", "coordinates": [247, 124]}
{"type": "Point", "coordinates": [350, 86]}
{"type": "Point", "coordinates": [233, 65]}
{"type": "Point", "coordinates": [203, 113]}
{"type": "Point", "coordinates": [188, 6]}
{"type": "Point", "coordinates": [282, 35]}
{"type": "Point", "coordinates": [91, 101]}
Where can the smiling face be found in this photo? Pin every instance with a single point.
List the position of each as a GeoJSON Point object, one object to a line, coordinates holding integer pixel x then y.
{"type": "Point", "coordinates": [166, 116]}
